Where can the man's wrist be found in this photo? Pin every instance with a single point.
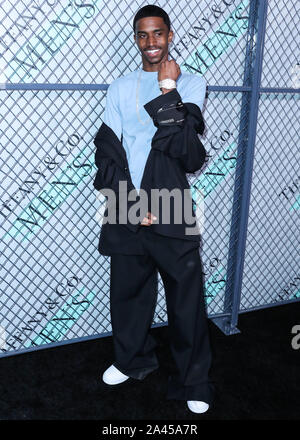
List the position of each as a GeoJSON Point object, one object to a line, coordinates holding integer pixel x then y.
{"type": "Point", "coordinates": [164, 91]}
{"type": "Point", "coordinates": [167, 84]}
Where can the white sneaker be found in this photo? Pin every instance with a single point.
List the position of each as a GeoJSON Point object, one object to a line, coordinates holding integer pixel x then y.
{"type": "Point", "coordinates": [113, 376]}
{"type": "Point", "coordinates": [197, 406]}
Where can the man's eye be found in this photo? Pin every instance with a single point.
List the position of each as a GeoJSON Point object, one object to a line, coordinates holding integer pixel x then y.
{"type": "Point", "coordinates": [156, 33]}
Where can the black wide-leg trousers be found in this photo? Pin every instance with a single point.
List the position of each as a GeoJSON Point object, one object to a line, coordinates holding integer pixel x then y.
{"type": "Point", "coordinates": [133, 296]}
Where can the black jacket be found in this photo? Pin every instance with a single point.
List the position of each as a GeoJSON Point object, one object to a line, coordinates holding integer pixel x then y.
{"type": "Point", "coordinates": [175, 150]}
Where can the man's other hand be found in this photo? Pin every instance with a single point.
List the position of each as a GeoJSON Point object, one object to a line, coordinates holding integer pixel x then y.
{"type": "Point", "coordinates": [149, 219]}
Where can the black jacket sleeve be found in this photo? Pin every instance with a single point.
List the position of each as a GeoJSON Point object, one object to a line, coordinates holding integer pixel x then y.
{"type": "Point", "coordinates": [180, 138]}
{"type": "Point", "coordinates": [112, 169]}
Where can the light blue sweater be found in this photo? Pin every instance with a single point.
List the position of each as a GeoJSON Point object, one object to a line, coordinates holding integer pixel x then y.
{"type": "Point", "coordinates": [121, 116]}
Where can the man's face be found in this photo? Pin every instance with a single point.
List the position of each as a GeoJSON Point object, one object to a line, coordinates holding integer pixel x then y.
{"type": "Point", "coordinates": [152, 37]}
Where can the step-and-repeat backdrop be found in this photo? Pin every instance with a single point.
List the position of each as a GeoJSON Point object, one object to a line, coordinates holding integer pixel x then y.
{"type": "Point", "coordinates": [54, 282]}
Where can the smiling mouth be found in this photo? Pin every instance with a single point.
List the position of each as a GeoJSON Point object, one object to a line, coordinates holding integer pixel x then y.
{"type": "Point", "coordinates": [152, 52]}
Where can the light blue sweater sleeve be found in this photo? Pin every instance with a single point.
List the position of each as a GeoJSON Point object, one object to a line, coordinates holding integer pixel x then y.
{"type": "Point", "coordinates": [200, 92]}
{"type": "Point", "coordinates": [112, 115]}
{"type": "Point", "coordinates": [194, 91]}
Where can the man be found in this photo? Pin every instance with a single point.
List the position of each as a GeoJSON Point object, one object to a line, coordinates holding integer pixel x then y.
{"type": "Point", "coordinates": [149, 140]}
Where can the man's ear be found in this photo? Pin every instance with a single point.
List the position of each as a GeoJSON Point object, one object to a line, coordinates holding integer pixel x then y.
{"type": "Point", "coordinates": [170, 36]}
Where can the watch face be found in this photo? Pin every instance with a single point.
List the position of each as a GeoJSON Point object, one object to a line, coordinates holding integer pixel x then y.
{"type": "Point", "coordinates": [167, 83]}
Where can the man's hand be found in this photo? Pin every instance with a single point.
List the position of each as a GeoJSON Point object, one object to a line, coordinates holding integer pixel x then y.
{"type": "Point", "coordinates": [168, 69]}
{"type": "Point", "coordinates": [147, 221]}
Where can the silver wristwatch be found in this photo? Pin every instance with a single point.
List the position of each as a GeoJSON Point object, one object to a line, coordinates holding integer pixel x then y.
{"type": "Point", "coordinates": [167, 84]}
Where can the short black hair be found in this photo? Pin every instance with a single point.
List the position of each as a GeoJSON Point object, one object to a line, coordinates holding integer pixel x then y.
{"type": "Point", "coordinates": [151, 11]}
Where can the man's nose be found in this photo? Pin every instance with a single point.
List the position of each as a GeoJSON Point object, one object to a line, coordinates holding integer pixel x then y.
{"type": "Point", "coordinates": [151, 40]}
